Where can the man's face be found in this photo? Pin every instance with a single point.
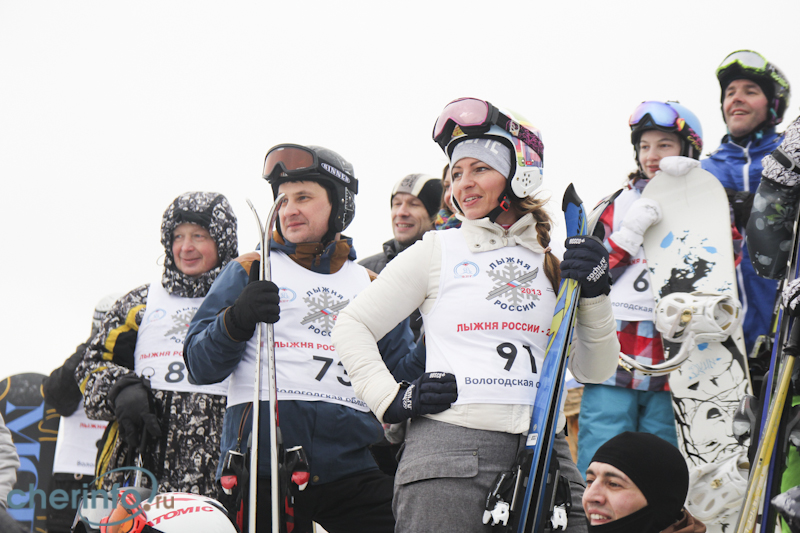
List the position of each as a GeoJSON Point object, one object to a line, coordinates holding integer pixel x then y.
{"type": "Point", "coordinates": [305, 213]}
{"type": "Point", "coordinates": [745, 106]}
{"type": "Point", "coordinates": [194, 250]}
{"type": "Point", "coordinates": [610, 494]}
{"type": "Point", "coordinates": [410, 219]}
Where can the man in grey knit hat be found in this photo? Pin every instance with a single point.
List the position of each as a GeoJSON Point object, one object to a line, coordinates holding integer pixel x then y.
{"type": "Point", "coordinates": [415, 201]}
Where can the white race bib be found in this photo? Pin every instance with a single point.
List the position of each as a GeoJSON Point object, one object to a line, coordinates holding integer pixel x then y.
{"type": "Point", "coordinates": [491, 321]}
{"type": "Point", "coordinates": [159, 343]}
{"type": "Point", "coordinates": [75, 445]}
{"type": "Point", "coordinates": [307, 365]}
{"type": "Point", "coordinates": [631, 295]}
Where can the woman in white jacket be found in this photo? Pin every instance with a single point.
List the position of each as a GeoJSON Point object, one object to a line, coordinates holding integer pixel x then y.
{"type": "Point", "coordinates": [487, 293]}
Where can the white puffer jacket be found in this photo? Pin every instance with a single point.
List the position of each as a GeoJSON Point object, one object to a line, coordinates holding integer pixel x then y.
{"type": "Point", "coordinates": [9, 463]}
{"type": "Point", "coordinates": [411, 281]}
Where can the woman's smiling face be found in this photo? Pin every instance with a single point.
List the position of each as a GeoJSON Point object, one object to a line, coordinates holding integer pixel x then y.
{"type": "Point", "coordinates": [477, 187]}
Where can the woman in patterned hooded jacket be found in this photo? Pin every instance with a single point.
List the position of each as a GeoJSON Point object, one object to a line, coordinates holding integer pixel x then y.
{"type": "Point", "coordinates": [133, 373]}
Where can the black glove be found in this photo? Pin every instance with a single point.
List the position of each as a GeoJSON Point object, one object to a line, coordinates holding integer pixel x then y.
{"type": "Point", "coordinates": [586, 261]}
{"type": "Point", "coordinates": [432, 392]}
{"type": "Point", "coordinates": [133, 408]}
{"type": "Point", "coordinates": [258, 302]}
{"type": "Point", "coordinates": [741, 205]}
{"type": "Point", "coordinates": [60, 388]}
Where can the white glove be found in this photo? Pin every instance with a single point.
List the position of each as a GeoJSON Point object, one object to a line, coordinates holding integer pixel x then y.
{"type": "Point", "coordinates": [791, 297]}
{"type": "Point", "coordinates": [787, 172]}
{"type": "Point", "coordinates": [677, 165]}
{"type": "Point", "coordinates": [642, 214]}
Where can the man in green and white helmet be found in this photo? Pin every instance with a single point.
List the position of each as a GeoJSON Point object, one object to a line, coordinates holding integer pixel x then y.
{"type": "Point", "coordinates": [755, 94]}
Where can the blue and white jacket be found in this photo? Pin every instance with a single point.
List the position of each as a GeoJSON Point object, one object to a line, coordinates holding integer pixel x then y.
{"type": "Point", "coordinates": [738, 167]}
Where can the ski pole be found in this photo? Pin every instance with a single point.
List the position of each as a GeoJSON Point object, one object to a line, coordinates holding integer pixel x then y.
{"type": "Point", "coordinates": [265, 273]}
{"type": "Point", "coordinates": [759, 471]}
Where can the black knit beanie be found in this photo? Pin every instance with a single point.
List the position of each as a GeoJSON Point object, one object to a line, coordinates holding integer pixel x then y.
{"type": "Point", "coordinates": [656, 467]}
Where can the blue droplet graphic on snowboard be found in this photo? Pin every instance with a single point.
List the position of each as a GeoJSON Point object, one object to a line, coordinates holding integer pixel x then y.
{"type": "Point", "coordinates": [710, 249]}
{"type": "Point", "coordinates": [667, 240]}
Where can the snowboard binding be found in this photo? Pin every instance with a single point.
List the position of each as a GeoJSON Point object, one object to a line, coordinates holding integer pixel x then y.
{"type": "Point", "coordinates": [746, 418]}
{"type": "Point", "coordinates": [716, 490]}
{"type": "Point", "coordinates": [690, 319]}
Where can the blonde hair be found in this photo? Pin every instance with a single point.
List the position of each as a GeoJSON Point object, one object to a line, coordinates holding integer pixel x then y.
{"type": "Point", "coordinates": [535, 206]}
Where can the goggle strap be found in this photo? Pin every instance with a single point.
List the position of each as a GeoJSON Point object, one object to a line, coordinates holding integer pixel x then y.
{"type": "Point", "coordinates": [522, 133]}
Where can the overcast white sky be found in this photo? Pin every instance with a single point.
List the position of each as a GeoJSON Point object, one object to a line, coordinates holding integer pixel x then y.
{"type": "Point", "coordinates": [108, 110]}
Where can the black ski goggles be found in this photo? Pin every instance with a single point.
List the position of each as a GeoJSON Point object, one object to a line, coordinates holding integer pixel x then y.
{"type": "Point", "coordinates": [475, 117]}
{"type": "Point", "coordinates": [292, 160]}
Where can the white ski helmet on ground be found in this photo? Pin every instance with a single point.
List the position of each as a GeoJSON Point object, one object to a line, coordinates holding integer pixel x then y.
{"type": "Point", "coordinates": [171, 512]}
{"type": "Point", "coordinates": [471, 118]}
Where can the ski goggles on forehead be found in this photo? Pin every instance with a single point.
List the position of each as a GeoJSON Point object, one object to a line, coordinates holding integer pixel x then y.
{"type": "Point", "coordinates": [290, 160]}
{"type": "Point", "coordinates": [745, 59]}
{"type": "Point", "coordinates": [659, 113]}
{"type": "Point", "coordinates": [124, 520]}
{"type": "Point", "coordinates": [475, 117]}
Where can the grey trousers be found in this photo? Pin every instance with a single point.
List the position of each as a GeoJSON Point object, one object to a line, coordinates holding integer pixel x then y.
{"type": "Point", "coordinates": [446, 471]}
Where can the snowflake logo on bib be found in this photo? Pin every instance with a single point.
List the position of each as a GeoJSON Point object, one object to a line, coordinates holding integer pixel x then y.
{"type": "Point", "coordinates": [512, 279]}
{"type": "Point", "coordinates": [180, 324]}
{"type": "Point", "coordinates": [324, 305]}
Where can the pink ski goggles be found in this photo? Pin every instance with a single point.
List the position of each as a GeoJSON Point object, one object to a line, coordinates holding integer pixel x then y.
{"type": "Point", "coordinates": [475, 117]}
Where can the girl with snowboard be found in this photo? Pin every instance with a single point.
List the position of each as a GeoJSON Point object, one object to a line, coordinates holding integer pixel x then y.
{"type": "Point", "coordinates": [487, 292]}
{"type": "Point", "coordinates": [632, 401]}
{"type": "Point", "coordinates": [133, 373]}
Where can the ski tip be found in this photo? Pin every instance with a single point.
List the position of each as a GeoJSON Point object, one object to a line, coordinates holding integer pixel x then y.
{"type": "Point", "coordinates": [570, 198]}
{"type": "Point", "coordinates": [611, 197]}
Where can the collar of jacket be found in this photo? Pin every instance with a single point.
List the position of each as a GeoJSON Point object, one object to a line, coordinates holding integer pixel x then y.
{"type": "Point", "coordinates": [753, 139]}
{"type": "Point", "coordinates": [687, 524]}
{"type": "Point", "coordinates": [314, 256]}
{"type": "Point", "coordinates": [391, 248]}
{"type": "Point", "coordinates": [483, 235]}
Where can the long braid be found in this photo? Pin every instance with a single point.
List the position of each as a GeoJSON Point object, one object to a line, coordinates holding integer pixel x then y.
{"type": "Point", "coordinates": [551, 264]}
{"type": "Point", "coordinates": [535, 206]}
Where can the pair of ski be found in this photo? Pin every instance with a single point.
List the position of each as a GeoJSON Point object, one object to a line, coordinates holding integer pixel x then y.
{"type": "Point", "coordinates": [520, 500]}
{"type": "Point", "coordinates": [767, 467]}
{"type": "Point", "coordinates": [284, 464]}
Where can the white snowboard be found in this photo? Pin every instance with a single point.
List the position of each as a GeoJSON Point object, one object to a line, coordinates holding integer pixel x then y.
{"type": "Point", "coordinates": [689, 250]}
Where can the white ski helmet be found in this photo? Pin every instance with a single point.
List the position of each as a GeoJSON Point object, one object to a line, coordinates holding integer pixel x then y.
{"type": "Point", "coordinates": [101, 308]}
{"type": "Point", "coordinates": [472, 118]}
{"type": "Point", "coordinates": [170, 512]}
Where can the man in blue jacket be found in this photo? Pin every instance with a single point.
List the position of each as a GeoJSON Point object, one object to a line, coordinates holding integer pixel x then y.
{"type": "Point", "coordinates": [316, 275]}
{"type": "Point", "coordinates": [755, 94]}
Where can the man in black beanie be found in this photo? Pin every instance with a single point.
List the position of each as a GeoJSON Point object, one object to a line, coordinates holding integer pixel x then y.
{"type": "Point", "coordinates": [637, 483]}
